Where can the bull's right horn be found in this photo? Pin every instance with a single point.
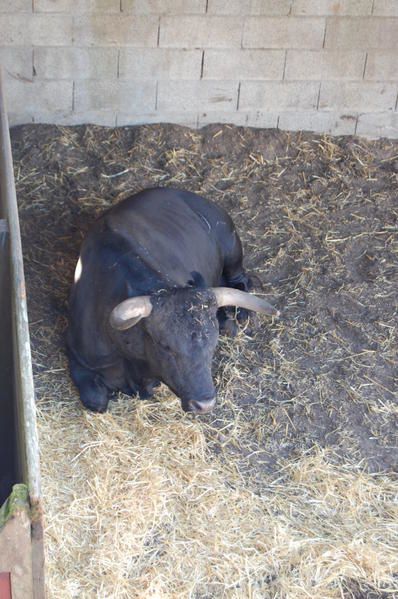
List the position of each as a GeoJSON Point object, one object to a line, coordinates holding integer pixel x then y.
{"type": "Point", "coordinates": [128, 313]}
{"type": "Point", "coordinates": [227, 296]}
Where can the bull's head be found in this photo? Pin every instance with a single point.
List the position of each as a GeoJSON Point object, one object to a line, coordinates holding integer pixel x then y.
{"type": "Point", "coordinates": [179, 334]}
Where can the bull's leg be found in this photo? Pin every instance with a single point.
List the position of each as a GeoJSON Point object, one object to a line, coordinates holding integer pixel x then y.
{"type": "Point", "coordinates": [147, 389]}
{"type": "Point", "coordinates": [93, 393]}
{"type": "Point", "coordinates": [227, 324]}
{"type": "Point", "coordinates": [234, 275]}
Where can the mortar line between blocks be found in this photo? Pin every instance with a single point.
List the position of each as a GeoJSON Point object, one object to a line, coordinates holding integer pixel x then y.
{"type": "Point", "coordinates": [284, 66]}
{"type": "Point", "coordinates": [365, 65]}
{"type": "Point", "coordinates": [356, 124]}
{"type": "Point", "coordinates": [207, 6]}
{"type": "Point", "coordinates": [158, 40]}
{"type": "Point", "coordinates": [73, 95]}
{"type": "Point", "coordinates": [118, 64]}
{"type": "Point", "coordinates": [319, 96]}
{"type": "Point", "coordinates": [238, 98]}
{"type": "Point", "coordinates": [156, 95]}
{"type": "Point", "coordinates": [324, 34]}
{"type": "Point", "coordinates": [396, 104]}
{"type": "Point", "coordinates": [202, 65]}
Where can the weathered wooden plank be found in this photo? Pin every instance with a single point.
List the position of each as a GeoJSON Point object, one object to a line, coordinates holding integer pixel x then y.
{"type": "Point", "coordinates": [22, 355]}
{"type": "Point", "coordinates": [5, 585]}
{"type": "Point", "coordinates": [23, 390]}
{"type": "Point", "coordinates": [9, 474]}
{"type": "Point", "coordinates": [15, 542]}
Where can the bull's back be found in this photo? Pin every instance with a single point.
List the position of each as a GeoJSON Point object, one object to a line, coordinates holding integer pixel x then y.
{"type": "Point", "coordinates": [173, 232]}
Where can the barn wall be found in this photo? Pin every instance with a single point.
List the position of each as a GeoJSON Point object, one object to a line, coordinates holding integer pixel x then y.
{"type": "Point", "coordinates": [321, 65]}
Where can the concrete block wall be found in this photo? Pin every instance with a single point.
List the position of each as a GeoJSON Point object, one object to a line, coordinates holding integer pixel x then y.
{"type": "Point", "coordinates": [321, 65]}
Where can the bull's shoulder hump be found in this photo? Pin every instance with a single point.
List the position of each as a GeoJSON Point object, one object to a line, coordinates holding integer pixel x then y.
{"type": "Point", "coordinates": [146, 204]}
{"type": "Point", "coordinates": [102, 243]}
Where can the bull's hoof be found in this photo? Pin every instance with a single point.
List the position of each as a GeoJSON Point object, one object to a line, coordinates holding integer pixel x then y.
{"type": "Point", "coordinates": [97, 408]}
{"type": "Point", "coordinates": [94, 396]}
{"type": "Point", "coordinates": [147, 391]}
{"type": "Point", "coordinates": [243, 315]}
{"type": "Point", "coordinates": [229, 328]}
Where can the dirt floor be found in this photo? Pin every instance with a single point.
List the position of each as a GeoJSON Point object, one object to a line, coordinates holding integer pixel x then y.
{"type": "Point", "coordinates": [303, 401]}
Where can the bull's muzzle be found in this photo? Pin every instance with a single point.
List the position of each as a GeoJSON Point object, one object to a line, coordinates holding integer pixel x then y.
{"type": "Point", "coordinates": [200, 406]}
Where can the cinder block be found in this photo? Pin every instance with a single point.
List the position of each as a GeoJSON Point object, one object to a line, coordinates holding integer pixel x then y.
{"type": "Point", "coordinates": [381, 124]}
{"type": "Point", "coordinates": [130, 97]}
{"type": "Point", "coordinates": [334, 123]}
{"type": "Point", "coordinates": [113, 30]}
{"type": "Point", "coordinates": [104, 118]}
{"type": "Point", "coordinates": [76, 63]}
{"type": "Point", "coordinates": [186, 119]}
{"type": "Point", "coordinates": [31, 97]}
{"type": "Point", "coordinates": [17, 62]}
{"type": "Point", "coordinates": [77, 6]}
{"type": "Point", "coordinates": [244, 64]}
{"type": "Point", "coordinates": [264, 120]}
{"type": "Point", "coordinates": [248, 8]}
{"type": "Point", "coordinates": [382, 66]}
{"type": "Point", "coordinates": [16, 6]}
{"type": "Point", "coordinates": [278, 95]}
{"type": "Point", "coordinates": [332, 7]}
{"type": "Point", "coordinates": [49, 30]}
{"type": "Point", "coordinates": [19, 118]}
{"type": "Point", "coordinates": [159, 63]}
{"type": "Point", "coordinates": [385, 8]}
{"type": "Point", "coordinates": [325, 64]}
{"type": "Point", "coordinates": [283, 32]}
{"type": "Point", "coordinates": [14, 29]}
{"type": "Point", "coordinates": [361, 33]}
{"type": "Point", "coordinates": [162, 7]}
{"type": "Point", "coordinates": [225, 118]}
{"type": "Point", "coordinates": [200, 32]}
{"type": "Point", "coordinates": [38, 30]}
{"type": "Point", "coordinates": [363, 96]}
{"type": "Point", "coordinates": [197, 96]}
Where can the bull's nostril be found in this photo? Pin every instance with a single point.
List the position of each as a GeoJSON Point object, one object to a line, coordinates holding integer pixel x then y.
{"type": "Point", "coordinates": [202, 406]}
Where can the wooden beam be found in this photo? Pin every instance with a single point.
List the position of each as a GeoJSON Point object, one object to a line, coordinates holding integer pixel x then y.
{"type": "Point", "coordinates": [25, 407]}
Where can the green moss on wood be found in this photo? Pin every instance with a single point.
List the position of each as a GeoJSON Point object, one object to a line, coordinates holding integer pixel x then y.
{"type": "Point", "coordinates": [16, 502]}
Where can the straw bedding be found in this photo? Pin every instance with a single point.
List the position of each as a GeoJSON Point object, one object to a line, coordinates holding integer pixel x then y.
{"type": "Point", "coordinates": [287, 490]}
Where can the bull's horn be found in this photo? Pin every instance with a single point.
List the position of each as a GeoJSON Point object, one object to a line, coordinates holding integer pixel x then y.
{"type": "Point", "coordinates": [226, 296]}
{"type": "Point", "coordinates": [128, 313]}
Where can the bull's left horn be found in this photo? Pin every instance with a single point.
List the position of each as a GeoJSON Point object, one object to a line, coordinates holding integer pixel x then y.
{"type": "Point", "coordinates": [226, 296]}
{"type": "Point", "coordinates": [128, 313]}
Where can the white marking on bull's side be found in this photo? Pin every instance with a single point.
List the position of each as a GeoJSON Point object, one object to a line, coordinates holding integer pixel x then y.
{"type": "Point", "coordinates": [78, 270]}
{"type": "Point", "coordinates": [206, 221]}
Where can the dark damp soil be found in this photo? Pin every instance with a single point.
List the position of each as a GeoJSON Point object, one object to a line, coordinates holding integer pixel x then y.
{"type": "Point", "coordinates": [318, 217]}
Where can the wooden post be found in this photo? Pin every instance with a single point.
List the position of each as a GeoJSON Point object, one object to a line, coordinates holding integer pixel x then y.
{"type": "Point", "coordinates": [5, 585]}
{"type": "Point", "coordinates": [23, 396]}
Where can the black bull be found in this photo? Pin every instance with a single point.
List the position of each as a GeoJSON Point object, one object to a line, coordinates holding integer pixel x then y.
{"type": "Point", "coordinates": [153, 276]}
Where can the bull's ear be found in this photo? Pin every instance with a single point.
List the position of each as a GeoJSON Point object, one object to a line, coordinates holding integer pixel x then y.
{"type": "Point", "coordinates": [197, 281]}
{"type": "Point", "coordinates": [226, 296]}
{"type": "Point", "coordinates": [126, 314]}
